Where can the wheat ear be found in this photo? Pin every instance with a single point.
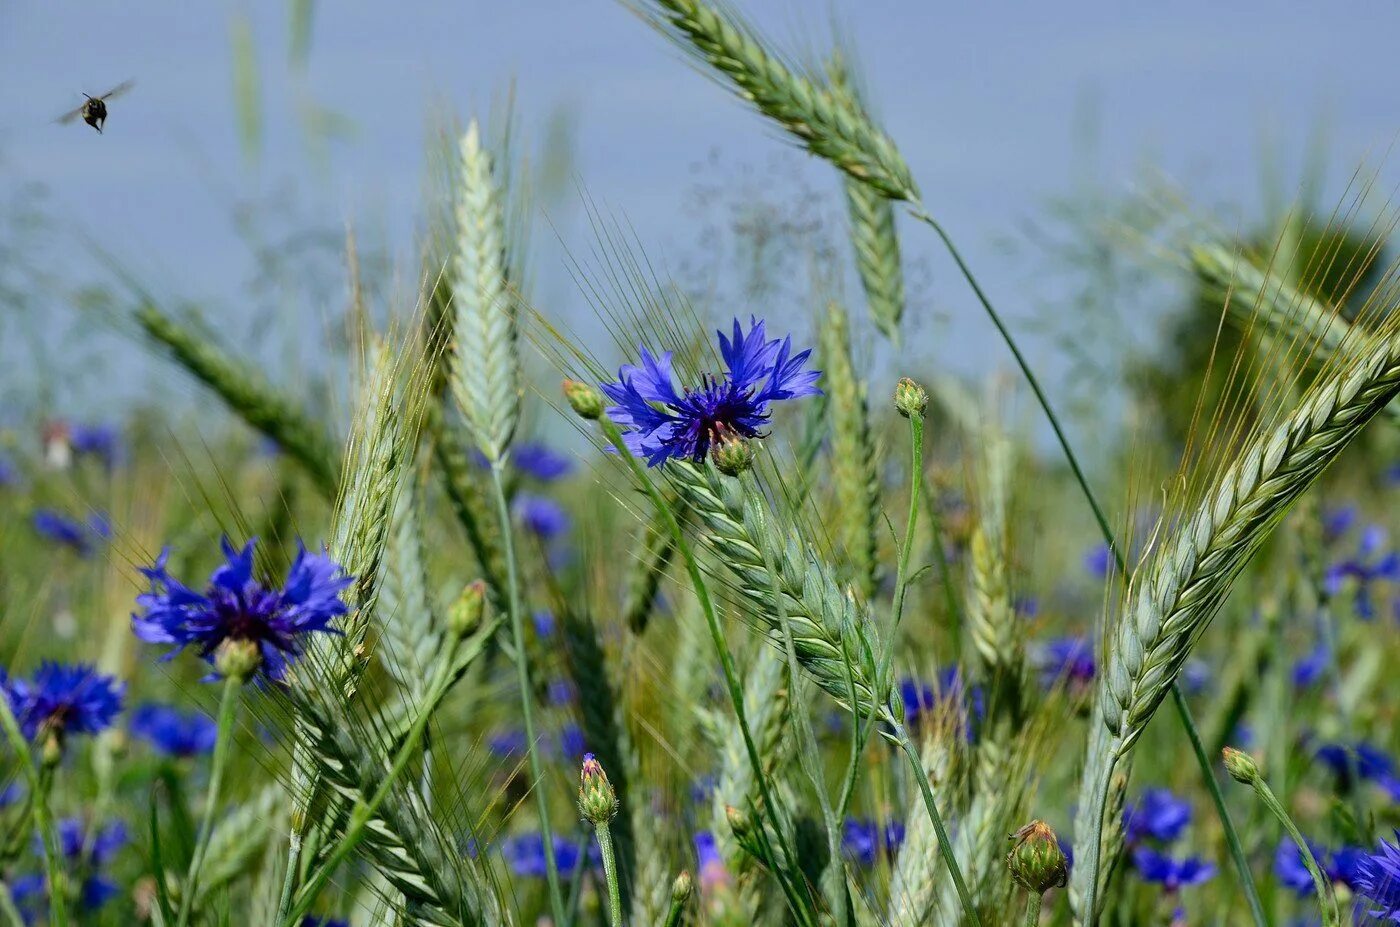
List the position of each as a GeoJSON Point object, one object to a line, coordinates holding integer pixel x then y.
{"type": "Point", "coordinates": [1174, 596]}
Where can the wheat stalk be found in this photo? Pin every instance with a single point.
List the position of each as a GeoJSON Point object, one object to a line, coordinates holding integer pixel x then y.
{"type": "Point", "coordinates": [485, 370]}
{"type": "Point", "coordinates": [825, 123]}
{"type": "Point", "coordinates": [1185, 581]}
{"type": "Point", "coordinates": [248, 394]}
{"type": "Point", "coordinates": [645, 573]}
{"type": "Point", "coordinates": [852, 457]}
{"type": "Point", "coordinates": [411, 634]}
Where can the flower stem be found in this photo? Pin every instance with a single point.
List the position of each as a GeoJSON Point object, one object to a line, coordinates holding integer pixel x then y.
{"type": "Point", "coordinates": [7, 905]}
{"type": "Point", "coordinates": [522, 670]}
{"type": "Point", "coordinates": [605, 848]}
{"type": "Point", "coordinates": [1327, 898]}
{"type": "Point", "coordinates": [901, 582]}
{"type": "Point", "coordinates": [1033, 910]}
{"type": "Point", "coordinates": [673, 914]}
{"type": "Point", "coordinates": [228, 708]}
{"type": "Point", "coordinates": [945, 846]}
{"type": "Point", "coordinates": [1182, 710]}
{"type": "Point", "coordinates": [39, 800]}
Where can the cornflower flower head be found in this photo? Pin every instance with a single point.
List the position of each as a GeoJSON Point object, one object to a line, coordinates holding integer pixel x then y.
{"type": "Point", "coordinates": [1361, 760]}
{"type": "Point", "coordinates": [65, 699]}
{"type": "Point", "coordinates": [102, 441]}
{"type": "Point", "coordinates": [524, 854]}
{"type": "Point", "coordinates": [80, 537]}
{"type": "Point", "coordinates": [1371, 564]}
{"type": "Point", "coordinates": [1337, 521]}
{"type": "Point", "coordinates": [1341, 866]}
{"type": "Point", "coordinates": [1068, 660]}
{"type": "Point", "coordinates": [1171, 873]}
{"type": "Point", "coordinates": [541, 516]}
{"type": "Point", "coordinates": [1156, 815]}
{"type": "Point", "coordinates": [312, 920]}
{"type": "Point", "coordinates": [173, 732]}
{"type": "Point", "coordinates": [863, 840]}
{"type": "Point", "coordinates": [541, 462]}
{"type": "Point", "coordinates": [661, 424]}
{"type": "Point", "coordinates": [84, 859]}
{"type": "Point", "coordinates": [1098, 561]}
{"type": "Point", "coordinates": [1378, 880]}
{"type": "Point", "coordinates": [1308, 671]}
{"type": "Point", "coordinates": [236, 611]}
{"type": "Point", "coordinates": [711, 864]}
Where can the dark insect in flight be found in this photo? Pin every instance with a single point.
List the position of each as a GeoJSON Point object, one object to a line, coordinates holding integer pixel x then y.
{"type": "Point", "coordinates": [94, 109]}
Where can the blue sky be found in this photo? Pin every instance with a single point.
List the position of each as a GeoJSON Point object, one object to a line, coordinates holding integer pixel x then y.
{"type": "Point", "coordinates": [981, 98]}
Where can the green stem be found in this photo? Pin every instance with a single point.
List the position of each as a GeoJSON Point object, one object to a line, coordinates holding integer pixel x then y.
{"type": "Point", "coordinates": [7, 905]}
{"type": "Point", "coordinates": [901, 581]}
{"type": "Point", "coordinates": [605, 847]}
{"type": "Point", "coordinates": [1217, 797]}
{"type": "Point", "coordinates": [945, 846]}
{"type": "Point", "coordinates": [522, 670]}
{"type": "Point", "coordinates": [39, 801]}
{"type": "Point", "coordinates": [702, 595]}
{"type": "Point", "coordinates": [228, 707]}
{"type": "Point", "coordinates": [1182, 710]}
{"type": "Point", "coordinates": [1331, 914]}
{"type": "Point", "coordinates": [677, 908]}
{"type": "Point", "coordinates": [1033, 910]}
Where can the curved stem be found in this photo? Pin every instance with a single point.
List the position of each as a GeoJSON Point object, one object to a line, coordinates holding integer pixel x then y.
{"type": "Point", "coordinates": [1182, 710]}
{"type": "Point", "coordinates": [605, 848]}
{"type": "Point", "coordinates": [527, 711]}
{"type": "Point", "coordinates": [945, 847]}
{"type": "Point", "coordinates": [901, 583]}
{"type": "Point", "coordinates": [1327, 898]}
{"type": "Point", "coordinates": [228, 708]}
{"type": "Point", "coordinates": [1033, 910]}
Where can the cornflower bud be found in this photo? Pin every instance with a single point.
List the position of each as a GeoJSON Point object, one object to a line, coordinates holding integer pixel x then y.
{"type": "Point", "coordinates": [910, 398]}
{"type": "Point", "coordinates": [597, 801]}
{"type": "Point", "coordinates": [732, 455]}
{"type": "Point", "coordinates": [1036, 862]}
{"type": "Point", "coordinates": [1241, 766]}
{"type": "Point", "coordinates": [584, 399]}
{"type": "Point", "coordinates": [465, 614]}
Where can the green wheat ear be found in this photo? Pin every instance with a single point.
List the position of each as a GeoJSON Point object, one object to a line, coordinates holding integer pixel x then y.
{"type": "Point", "coordinates": [248, 394]}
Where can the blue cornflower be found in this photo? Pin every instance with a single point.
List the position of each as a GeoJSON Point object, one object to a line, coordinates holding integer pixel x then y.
{"type": "Point", "coordinates": [1308, 670]}
{"type": "Point", "coordinates": [661, 424]}
{"type": "Point", "coordinates": [65, 699]}
{"type": "Point", "coordinates": [544, 623]}
{"type": "Point", "coordinates": [174, 732]}
{"type": "Point", "coordinates": [862, 840]}
{"type": "Point", "coordinates": [1156, 815]}
{"type": "Point", "coordinates": [711, 864]}
{"type": "Point", "coordinates": [84, 860]}
{"type": "Point", "coordinates": [69, 532]}
{"type": "Point", "coordinates": [541, 462]}
{"type": "Point", "coordinates": [1172, 874]}
{"type": "Point", "coordinates": [311, 920]}
{"type": "Point", "coordinates": [508, 743]}
{"type": "Point", "coordinates": [1378, 880]}
{"type": "Point", "coordinates": [1371, 564]}
{"type": "Point", "coordinates": [919, 699]}
{"type": "Point", "coordinates": [1337, 521]}
{"type": "Point", "coordinates": [1068, 660]}
{"type": "Point", "coordinates": [1340, 867]}
{"type": "Point", "coordinates": [103, 441]}
{"type": "Point", "coordinates": [1098, 561]}
{"type": "Point", "coordinates": [1367, 761]}
{"type": "Point", "coordinates": [572, 742]}
{"type": "Point", "coordinates": [9, 473]}
{"type": "Point", "coordinates": [561, 691]}
{"type": "Point", "coordinates": [541, 516]}
{"type": "Point", "coordinates": [524, 854]}
{"type": "Point", "coordinates": [235, 607]}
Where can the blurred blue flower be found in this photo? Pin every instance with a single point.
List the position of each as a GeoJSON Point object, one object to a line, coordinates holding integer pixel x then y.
{"type": "Point", "coordinates": [1156, 815]}
{"type": "Point", "coordinates": [1172, 874]}
{"type": "Point", "coordinates": [1337, 521]}
{"type": "Point", "coordinates": [1378, 880]}
{"type": "Point", "coordinates": [1098, 560]}
{"type": "Point", "coordinates": [236, 607]}
{"type": "Point", "coordinates": [65, 699]}
{"type": "Point", "coordinates": [103, 441]}
{"type": "Point", "coordinates": [81, 537]}
{"type": "Point", "coordinates": [711, 864]}
{"type": "Point", "coordinates": [1309, 670]}
{"type": "Point", "coordinates": [1067, 660]}
{"type": "Point", "coordinates": [571, 742]}
{"type": "Point", "coordinates": [311, 920]}
{"type": "Point", "coordinates": [661, 424]}
{"type": "Point", "coordinates": [508, 743]}
{"type": "Point", "coordinates": [1195, 677]}
{"type": "Point", "coordinates": [1359, 760]}
{"type": "Point", "coordinates": [9, 473]}
{"type": "Point", "coordinates": [174, 732]}
{"type": "Point", "coordinates": [84, 858]}
{"type": "Point", "coordinates": [544, 623]}
{"type": "Point", "coordinates": [524, 854]}
{"type": "Point", "coordinates": [541, 516]}
{"type": "Point", "coordinates": [541, 462]}
{"type": "Point", "coordinates": [1371, 564]}
{"type": "Point", "coordinates": [862, 840]}
{"type": "Point", "coordinates": [561, 692]}
{"type": "Point", "coordinates": [1341, 867]}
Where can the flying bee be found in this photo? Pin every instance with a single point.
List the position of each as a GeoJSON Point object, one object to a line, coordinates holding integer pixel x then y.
{"type": "Point", "coordinates": [94, 109]}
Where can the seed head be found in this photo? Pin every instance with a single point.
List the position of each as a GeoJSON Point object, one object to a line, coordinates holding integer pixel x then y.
{"type": "Point", "coordinates": [1240, 766]}
{"type": "Point", "coordinates": [465, 614]}
{"type": "Point", "coordinates": [732, 455]}
{"type": "Point", "coordinates": [910, 398]}
{"type": "Point", "coordinates": [597, 801]}
{"type": "Point", "coordinates": [1036, 861]}
{"type": "Point", "coordinates": [584, 399]}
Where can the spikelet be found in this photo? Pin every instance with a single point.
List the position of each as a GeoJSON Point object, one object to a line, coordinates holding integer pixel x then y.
{"type": "Point", "coordinates": [914, 885]}
{"type": "Point", "coordinates": [485, 372]}
{"type": "Point", "coordinates": [452, 458]}
{"type": "Point", "coordinates": [411, 634]}
{"type": "Point", "coordinates": [644, 574]}
{"type": "Point", "coordinates": [248, 394]}
{"type": "Point", "coordinates": [828, 627]}
{"type": "Point", "coordinates": [239, 839]}
{"type": "Point", "coordinates": [1187, 577]}
{"type": "Point", "coordinates": [819, 119]}
{"type": "Point", "coordinates": [853, 472]}
{"type": "Point", "coordinates": [873, 235]}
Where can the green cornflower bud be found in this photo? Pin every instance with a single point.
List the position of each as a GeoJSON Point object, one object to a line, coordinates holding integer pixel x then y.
{"type": "Point", "coordinates": [1036, 861]}
{"type": "Point", "coordinates": [732, 455]}
{"type": "Point", "coordinates": [1241, 766]}
{"type": "Point", "coordinates": [584, 399]}
{"type": "Point", "coordinates": [910, 398]}
{"type": "Point", "coordinates": [681, 888]}
{"type": "Point", "coordinates": [597, 801]}
{"type": "Point", "coordinates": [238, 659]}
{"type": "Point", "coordinates": [465, 614]}
{"type": "Point", "coordinates": [739, 821]}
